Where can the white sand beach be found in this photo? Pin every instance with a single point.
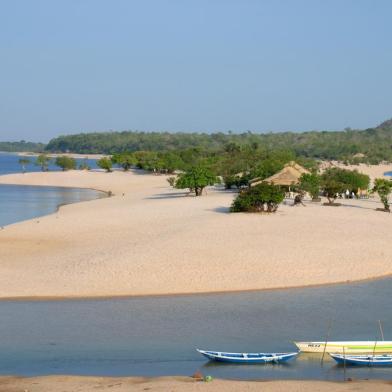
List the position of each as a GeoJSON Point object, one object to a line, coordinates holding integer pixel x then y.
{"type": "Point", "coordinates": [178, 384]}
{"type": "Point", "coordinates": [149, 239]}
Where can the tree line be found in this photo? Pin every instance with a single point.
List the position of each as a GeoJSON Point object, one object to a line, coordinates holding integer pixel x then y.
{"type": "Point", "coordinates": [372, 145]}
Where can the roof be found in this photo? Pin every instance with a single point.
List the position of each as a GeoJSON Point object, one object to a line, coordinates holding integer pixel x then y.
{"type": "Point", "coordinates": [289, 175]}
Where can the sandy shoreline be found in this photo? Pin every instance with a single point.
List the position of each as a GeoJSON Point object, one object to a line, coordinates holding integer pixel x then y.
{"type": "Point", "coordinates": [71, 155]}
{"type": "Point", "coordinates": [186, 384]}
{"type": "Point", "coordinates": [151, 240]}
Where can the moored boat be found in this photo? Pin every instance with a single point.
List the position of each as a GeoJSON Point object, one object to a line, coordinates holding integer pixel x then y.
{"type": "Point", "coordinates": [248, 357]}
{"type": "Point", "coordinates": [348, 347]}
{"type": "Point", "coordinates": [363, 360]}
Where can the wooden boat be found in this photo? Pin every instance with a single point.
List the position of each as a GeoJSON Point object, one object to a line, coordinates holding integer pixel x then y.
{"type": "Point", "coordinates": [363, 360]}
{"type": "Point", "coordinates": [348, 347]}
{"type": "Point", "coordinates": [248, 357]}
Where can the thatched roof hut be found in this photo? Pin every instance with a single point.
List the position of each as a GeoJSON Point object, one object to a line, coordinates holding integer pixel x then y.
{"type": "Point", "coordinates": [289, 175]}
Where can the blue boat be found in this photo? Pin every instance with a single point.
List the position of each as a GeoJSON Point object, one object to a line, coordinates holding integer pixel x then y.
{"type": "Point", "coordinates": [248, 357]}
{"type": "Point", "coordinates": [363, 360]}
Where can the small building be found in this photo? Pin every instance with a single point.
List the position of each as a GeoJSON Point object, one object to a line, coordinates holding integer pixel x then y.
{"type": "Point", "coordinates": [288, 176]}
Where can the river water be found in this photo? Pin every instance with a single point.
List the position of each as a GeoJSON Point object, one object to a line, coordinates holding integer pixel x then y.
{"type": "Point", "coordinates": [18, 203]}
{"type": "Point", "coordinates": [155, 336]}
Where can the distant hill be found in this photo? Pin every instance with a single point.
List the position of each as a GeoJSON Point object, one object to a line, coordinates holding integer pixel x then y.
{"type": "Point", "coordinates": [371, 145]}
{"type": "Point", "coordinates": [22, 146]}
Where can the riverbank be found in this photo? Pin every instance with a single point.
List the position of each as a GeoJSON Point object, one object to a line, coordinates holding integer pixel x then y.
{"type": "Point", "coordinates": [183, 384]}
{"type": "Point", "coordinates": [149, 239]}
{"type": "Point", "coordinates": [70, 155]}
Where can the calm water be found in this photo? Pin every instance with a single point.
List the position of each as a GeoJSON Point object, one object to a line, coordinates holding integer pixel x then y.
{"type": "Point", "coordinates": [388, 174]}
{"type": "Point", "coordinates": [158, 336]}
{"type": "Point", "coordinates": [9, 163]}
{"type": "Point", "coordinates": [18, 203]}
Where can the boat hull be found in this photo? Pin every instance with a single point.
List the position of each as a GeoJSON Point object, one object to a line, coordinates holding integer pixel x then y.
{"type": "Point", "coordinates": [363, 360]}
{"type": "Point", "coordinates": [248, 358]}
{"type": "Point", "coordinates": [347, 347]}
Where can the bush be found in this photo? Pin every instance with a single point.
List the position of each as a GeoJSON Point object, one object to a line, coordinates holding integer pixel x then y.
{"type": "Point", "coordinates": [383, 187]}
{"type": "Point", "coordinates": [66, 163]}
{"type": "Point", "coordinates": [336, 180]}
{"type": "Point", "coordinates": [105, 164]}
{"type": "Point", "coordinates": [310, 183]}
{"type": "Point", "coordinates": [264, 197]}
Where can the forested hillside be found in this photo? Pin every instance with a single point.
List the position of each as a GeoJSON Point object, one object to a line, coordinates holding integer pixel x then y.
{"type": "Point", "coordinates": [374, 143]}
{"type": "Point", "coordinates": [21, 146]}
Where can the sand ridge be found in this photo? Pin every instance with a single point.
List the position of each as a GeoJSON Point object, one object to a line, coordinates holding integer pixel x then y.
{"type": "Point", "coordinates": [150, 239]}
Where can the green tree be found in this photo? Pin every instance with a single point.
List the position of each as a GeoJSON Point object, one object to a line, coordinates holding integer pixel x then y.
{"type": "Point", "coordinates": [310, 183]}
{"type": "Point", "coordinates": [65, 163]}
{"type": "Point", "coordinates": [105, 164]}
{"type": "Point", "coordinates": [125, 160]}
{"type": "Point", "coordinates": [196, 179]}
{"type": "Point", "coordinates": [383, 187]}
{"type": "Point", "coordinates": [24, 162]}
{"type": "Point", "coordinates": [263, 197]}
{"type": "Point", "coordinates": [336, 180]}
{"type": "Point", "coordinates": [43, 161]}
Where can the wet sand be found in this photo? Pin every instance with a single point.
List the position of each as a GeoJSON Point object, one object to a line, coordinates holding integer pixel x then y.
{"type": "Point", "coordinates": [174, 384]}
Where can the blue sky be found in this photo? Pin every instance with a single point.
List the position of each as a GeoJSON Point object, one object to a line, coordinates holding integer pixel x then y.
{"type": "Point", "coordinates": [68, 66]}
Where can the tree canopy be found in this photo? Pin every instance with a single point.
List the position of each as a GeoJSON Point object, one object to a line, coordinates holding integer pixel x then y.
{"type": "Point", "coordinates": [263, 197]}
{"type": "Point", "coordinates": [370, 145]}
{"type": "Point", "coordinates": [336, 180]}
{"type": "Point", "coordinates": [65, 163]}
{"type": "Point", "coordinates": [196, 179]}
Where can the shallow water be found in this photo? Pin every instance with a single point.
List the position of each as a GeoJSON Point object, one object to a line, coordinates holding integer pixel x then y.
{"type": "Point", "coordinates": [9, 163]}
{"type": "Point", "coordinates": [19, 202]}
{"type": "Point", "coordinates": [158, 335]}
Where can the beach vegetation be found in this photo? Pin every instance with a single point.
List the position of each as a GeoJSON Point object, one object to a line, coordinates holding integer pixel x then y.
{"type": "Point", "coordinates": [23, 162]}
{"type": "Point", "coordinates": [263, 197]}
{"type": "Point", "coordinates": [43, 161]}
{"type": "Point", "coordinates": [65, 163]}
{"type": "Point", "coordinates": [335, 181]}
{"type": "Point", "coordinates": [310, 182]}
{"type": "Point", "coordinates": [124, 160]}
{"type": "Point", "coordinates": [171, 181]}
{"type": "Point", "coordinates": [105, 164]}
{"type": "Point", "coordinates": [196, 179]}
{"type": "Point", "coordinates": [384, 188]}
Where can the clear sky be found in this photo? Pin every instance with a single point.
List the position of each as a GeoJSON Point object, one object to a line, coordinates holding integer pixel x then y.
{"type": "Point", "coordinates": [68, 66]}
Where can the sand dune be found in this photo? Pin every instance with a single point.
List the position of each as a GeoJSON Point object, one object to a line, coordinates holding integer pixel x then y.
{"type": "Point", "coordinates": [150, 239]}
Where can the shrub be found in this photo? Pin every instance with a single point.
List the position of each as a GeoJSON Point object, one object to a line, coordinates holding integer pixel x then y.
{"type": "Point", "coordinates": [105, 164]}
{"type": "Point", "coordinates": [263, 197]}
{"type": "Point", "coordinates": [383, 187]}
{"type": "Point", "coordinates": [66, 163]}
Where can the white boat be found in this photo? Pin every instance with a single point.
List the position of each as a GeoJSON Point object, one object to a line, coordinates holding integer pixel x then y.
{"type": "Point", "coordinates": [363, 360]}
{"type": "Point", "coordinates": [347, 347]}
{"type": "Point", "coordinates": [248, 357]}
